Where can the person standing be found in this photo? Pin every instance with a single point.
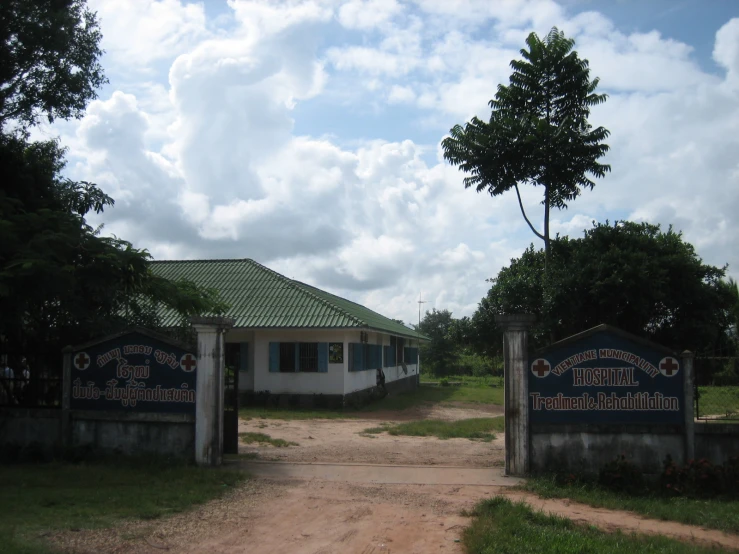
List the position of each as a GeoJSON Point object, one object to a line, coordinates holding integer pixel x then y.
{"type": "Point", "coordinates": [6, 384]}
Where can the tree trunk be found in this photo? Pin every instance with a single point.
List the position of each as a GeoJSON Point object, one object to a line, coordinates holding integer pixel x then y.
{"type": "Point", "coordinates": [546, 229]}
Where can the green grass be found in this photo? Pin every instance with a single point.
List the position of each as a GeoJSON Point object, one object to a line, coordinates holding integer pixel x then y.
{"type": "Point", "coordinates": [479, 394]}
{"type": "Point", "coordinates": [501, 526]}
{"type": "Point", "coordinates": [293, 413]}
{"type": "Point", "coordinates": [261, 438]}
{"type": "Point", "coordinates": [37, 499]}
{"type": "Point", "coordinates": [718, 401]}
{"type": "Point", "coordinates": [466, 380]}
{"type": "Point", "coordinates": [714, 513]}
{"type": "Point", "coordinates": [476, 428]}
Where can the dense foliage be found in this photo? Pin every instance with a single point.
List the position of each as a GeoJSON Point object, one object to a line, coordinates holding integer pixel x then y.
{"type": "Point", "coordinates": [631, 275]}
{"type": "Point", "coordinates": [61, 282]}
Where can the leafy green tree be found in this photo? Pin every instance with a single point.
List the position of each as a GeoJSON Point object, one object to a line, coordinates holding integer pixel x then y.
{"type": "Point", "coordinates": [538, 132]}
{"type": "Point", "coordinates": [49, 60]}
{"type": "Point", "coordinates": [60, 281]}
{"type": "Point", "coordinates": [440, 355]}
{"type": "Point", "coordinates": [630, 275]}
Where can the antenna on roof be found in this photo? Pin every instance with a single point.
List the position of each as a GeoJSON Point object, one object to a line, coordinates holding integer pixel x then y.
{"type": "Point", "coordinates": [420, 294]}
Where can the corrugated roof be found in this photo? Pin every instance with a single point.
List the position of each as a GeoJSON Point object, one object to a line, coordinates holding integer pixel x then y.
{"type": "Point", "coordinates": [261, 298]}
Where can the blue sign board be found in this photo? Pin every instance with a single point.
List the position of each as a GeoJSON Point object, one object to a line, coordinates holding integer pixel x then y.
{"type": "Point", "coordinates": [605, 375]}
{"type": "Point", "coordinates": [135, 371]}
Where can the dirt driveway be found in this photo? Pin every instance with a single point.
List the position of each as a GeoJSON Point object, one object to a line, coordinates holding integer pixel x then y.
{"type": "Point", "coordinates": [343, 441]}
{"type": "Point", "coordinates": [333, 516]}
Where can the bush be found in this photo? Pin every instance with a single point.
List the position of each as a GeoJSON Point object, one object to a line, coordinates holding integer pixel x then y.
{"type": "Point", "coordinates": [444, 382]}
{"type": "Point", "coordinates": [700, 478]}
{"type": "Point", "coordinates": [621, 475]}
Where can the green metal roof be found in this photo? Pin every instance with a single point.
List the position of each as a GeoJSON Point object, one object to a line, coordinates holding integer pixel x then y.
{"type": "Point", "coordinates": [261, 298]}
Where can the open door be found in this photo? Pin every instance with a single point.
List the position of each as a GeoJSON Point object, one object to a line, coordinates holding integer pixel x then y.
{"type": "Point", "coordinates": [231, 398]}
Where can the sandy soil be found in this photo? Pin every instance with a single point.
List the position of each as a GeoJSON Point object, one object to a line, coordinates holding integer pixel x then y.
{"type": "Point", "coordinates": [343, 441]}
{"type": "Point", "coordinates": [321, 517]}
{"type": "Point", "coordinates": [326, 517]}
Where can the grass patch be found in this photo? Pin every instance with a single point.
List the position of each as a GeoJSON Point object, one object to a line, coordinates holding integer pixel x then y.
{"type": "Point", "coordinates": [501, 526]}
{"type": "Point", "coordinates": [292, 414]}
{"type": "Point", "coordinates": [722, 514]}
{"type": "Point", "coordinates": [719, 401]}
{"type": "Point", "coordinates": [261, 438]}
{"type": "Point", "coordinates": [478, 391]}
{"type": "Point", "coordinates": [50, 497]}
{"type": "Point", "coordinates": [439, 395]}
{"type": "Point", "coordinates": [474, 429]}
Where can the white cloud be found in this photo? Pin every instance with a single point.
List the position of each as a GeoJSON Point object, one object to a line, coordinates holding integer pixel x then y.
{"type": "Point", "coordinates": [137, 33]}
{"type": "Point", "coordinates": [204, 159]}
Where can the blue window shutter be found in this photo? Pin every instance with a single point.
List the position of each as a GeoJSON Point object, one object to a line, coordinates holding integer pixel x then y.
{"type": "Point", "coordinates": [323, 357]}
{"type": "Point", "coordinates": [244, 357]}
{"type": "Point", "coordinates": [297, 356]}
{"type": "Point", "coordinates": [274, 356]}
{"type": "Point", "coordinates": [357, 358]}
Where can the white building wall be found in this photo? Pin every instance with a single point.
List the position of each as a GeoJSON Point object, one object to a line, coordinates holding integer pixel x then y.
{"type": "Point", "coordinates": [359, 380]}
{"type": "Point", "coordinates": [331, 382]}
{"type": "Point", "coordinates": [338, 380]}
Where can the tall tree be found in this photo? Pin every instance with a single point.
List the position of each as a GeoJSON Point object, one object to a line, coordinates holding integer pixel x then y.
{"type": "Point", "coordinates": [49, 60]}
{"type": "Point", "coordinates": [440, 354]}
{"type": "Point", "coordinates": [60, 281]}
{"type": "Point", "coordinates": [538, 132]}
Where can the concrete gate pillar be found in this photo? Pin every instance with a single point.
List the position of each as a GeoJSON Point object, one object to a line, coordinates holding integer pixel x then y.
{"type": "Point", "coordinates": [516, 367]}
{"type": "Point", "coordinates": [209, 389]}
{"type": "Point", "coordinates": [689, 383]}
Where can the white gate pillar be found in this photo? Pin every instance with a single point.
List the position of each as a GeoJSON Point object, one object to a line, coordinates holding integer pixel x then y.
{"type": "Point", "coordinates": [516, 367]}
{"type": "Point", "coordinates": [209, 389]}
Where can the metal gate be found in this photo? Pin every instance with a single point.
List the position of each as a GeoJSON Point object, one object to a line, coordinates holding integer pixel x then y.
{"type": "Point", "coordinates": [231, 399]}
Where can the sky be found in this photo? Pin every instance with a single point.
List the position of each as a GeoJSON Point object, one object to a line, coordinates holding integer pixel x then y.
{"type": "Point", "coordinates": [306, 134]}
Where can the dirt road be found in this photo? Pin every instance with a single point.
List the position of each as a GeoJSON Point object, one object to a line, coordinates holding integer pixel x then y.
{"type": "Point", "coordinates": [346, 511]}
{"type": "Point", "coordinates": [343, 441]}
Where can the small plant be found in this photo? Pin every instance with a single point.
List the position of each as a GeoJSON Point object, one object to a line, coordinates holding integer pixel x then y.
{"type": "Point", "coordinates": [699, 478]}
{"type": "Point", "coordinates": [444, 382]}
{"type": "Point", "coordinates": [621, 475]}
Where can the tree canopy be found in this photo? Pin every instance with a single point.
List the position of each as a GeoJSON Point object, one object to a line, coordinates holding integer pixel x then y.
{"type": "Point", "coordinates": [61, 282]}
{"type": "Point", "coordinates": [538, 132]}
{"type": "Point", "coordinates": [49, 59]}
{"type": "Point", "coordinates": [632, 275]}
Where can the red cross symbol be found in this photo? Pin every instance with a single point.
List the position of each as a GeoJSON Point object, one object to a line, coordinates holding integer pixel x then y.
{"type": "Point", "coordinates": [668, 367]}
{"type": "Point", "coordinates": [188, 362]}
{"type": "Point", "coordinates": [81, 361]}
{"type": "Point", "coordinates": [540, 367]}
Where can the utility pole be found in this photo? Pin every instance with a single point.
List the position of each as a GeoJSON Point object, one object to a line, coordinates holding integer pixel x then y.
{"type": "Point", "coordinates": [420, 301]}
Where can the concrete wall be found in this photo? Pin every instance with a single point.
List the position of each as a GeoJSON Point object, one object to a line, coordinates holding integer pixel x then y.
{"type": "Point", "coordinates": [587, 447]}
{"type": "Point", "coordinates": [26, 426]}
{"type": "Point", "coordinates": [716, 442]}
{"type": "Point", "coordinates": [171, 435]}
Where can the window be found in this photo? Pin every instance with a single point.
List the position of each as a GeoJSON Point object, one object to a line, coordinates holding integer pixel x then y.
{"type": "Point", "coordinates": [411, 355]}
{"type": "Point", "coordinates": [290, 357]}
{"type": "Point", "coordinates": [364, 356]}
{"type": "Point", "coordinates": [287, 357]}
{"type": "Point", "coordinates": [390, 358]}
{"type": "Point", "coordinates": [308, 356]}
{"type": "Point", "coordinates": [400, 343]}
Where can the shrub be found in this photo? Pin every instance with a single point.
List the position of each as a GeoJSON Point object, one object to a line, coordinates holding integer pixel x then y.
{"type": "Point", "coordinates": [621, 475]}
{"type": "Point", "coordinates": [700, 478]}
{"type": "Point", "coordinates": [444, 382]}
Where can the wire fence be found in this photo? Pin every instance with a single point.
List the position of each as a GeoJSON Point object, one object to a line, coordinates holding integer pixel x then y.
{"type": "Point", "coordinates": [717, 388]}
{"type": "Point", "coordinates": [40, 392]}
